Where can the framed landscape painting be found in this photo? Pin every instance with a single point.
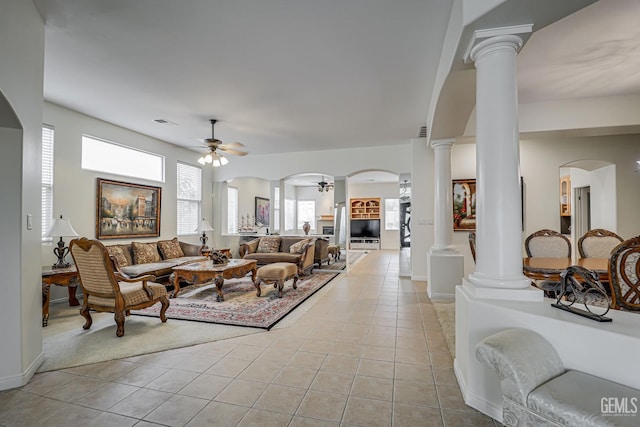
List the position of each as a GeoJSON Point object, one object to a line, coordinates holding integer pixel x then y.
{"type": "Point", "coordinates": [262, 211]}
{"type": "Point", "coordinates": [464, 204]}
{"type": "Point", "coordinates": [127, 210]}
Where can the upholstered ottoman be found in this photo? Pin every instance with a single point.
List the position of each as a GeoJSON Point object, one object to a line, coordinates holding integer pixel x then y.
{"type": "Point", "coordinates": [276, 273]}
{"type": "Point", "coordinates": [334, 250]}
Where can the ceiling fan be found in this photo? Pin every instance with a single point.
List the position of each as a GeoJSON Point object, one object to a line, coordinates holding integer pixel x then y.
{"type": "Point", "coordinates": [215, 145]}
{"type": "Point", "coordinates": [324, 186]}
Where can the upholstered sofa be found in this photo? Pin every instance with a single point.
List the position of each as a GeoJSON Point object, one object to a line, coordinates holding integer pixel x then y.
{"type": "Point", "coordinates": [537, 390]}
{"type": "Point", "coordinates": [299, 250]}
{"type": "Point", "coordinates": [157, 258]}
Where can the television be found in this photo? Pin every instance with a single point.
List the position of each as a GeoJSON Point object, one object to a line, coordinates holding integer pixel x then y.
{"type": "Point", "coordinates": [365, 228]}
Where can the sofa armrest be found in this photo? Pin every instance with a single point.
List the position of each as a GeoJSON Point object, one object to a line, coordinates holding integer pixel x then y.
{"type": "Point", "coordinates": [523, 360]}
{"type": "Point", "coordinates": [248, 247]}
{"type": "Point", "coordinates": [308, 254]}
{"type": "Point", "coordinates": [190, 249]}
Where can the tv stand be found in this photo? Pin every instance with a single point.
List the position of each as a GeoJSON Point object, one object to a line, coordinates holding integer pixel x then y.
{"type": "Point", "coordinates": [367, 243]}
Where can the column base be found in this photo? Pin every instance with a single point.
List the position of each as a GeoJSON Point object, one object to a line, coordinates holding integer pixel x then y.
{"type": "Point", "coordinates": [444, 250]}
{"type": "Point", "coordinates": [484, 291]}
{"type": "Point", "coordinates": [445, 272]}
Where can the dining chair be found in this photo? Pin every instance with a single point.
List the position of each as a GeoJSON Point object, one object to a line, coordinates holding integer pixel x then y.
{"type": "Point", "coordinates": [547, 244]}
{"type": "Point", "coordinates": [624, 275]}
{"type": "Point", "coordinates": [598, 243]}
{"type": "Point", "coordinates": [472, 244]}
{"type": "Point", "coordinates": [108, 290]}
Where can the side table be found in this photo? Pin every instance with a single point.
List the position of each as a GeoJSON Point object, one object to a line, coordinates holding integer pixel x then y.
{"type": "Point", "coordinates": [62, 277]}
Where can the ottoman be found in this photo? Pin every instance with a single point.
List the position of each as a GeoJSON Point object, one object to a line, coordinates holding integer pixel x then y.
{"type": "Point", "coordinates": [276, 273]}
{"type": "Point", "coordinates": [334, 250]}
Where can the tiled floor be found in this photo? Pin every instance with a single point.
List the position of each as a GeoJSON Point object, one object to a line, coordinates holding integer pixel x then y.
{"type": "Point", "coordinates": [369, 352]}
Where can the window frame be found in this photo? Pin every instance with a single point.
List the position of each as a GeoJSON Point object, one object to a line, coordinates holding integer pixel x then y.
{"type": "Point", "coordinates": [46, 208]}
{"type": "Point", "coordinates": [312, 221]}
{"type": "Point", "coordinates": [232, 219]}
{"type": "Point", "coordinates": [392, 213]}
{"type": "Point", "coordinates": [179, 199]}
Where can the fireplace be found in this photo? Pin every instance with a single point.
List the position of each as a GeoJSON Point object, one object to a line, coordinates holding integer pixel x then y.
{"type": "Point", "coordinates": [327, 229]}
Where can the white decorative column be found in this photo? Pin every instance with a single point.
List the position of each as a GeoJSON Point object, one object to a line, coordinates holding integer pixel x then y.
{"type": "Point", "coordinates": [445, 265]}
{"type": "Point", "coordinates": [498, 208]}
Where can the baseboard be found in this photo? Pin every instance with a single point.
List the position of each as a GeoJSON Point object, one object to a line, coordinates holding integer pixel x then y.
{"type": "Point", "coordinates": [419, 278]}
{"type": "Point", "coordinates": [442, 297]}
{"type": "Point", "coordinates": [15, 381]}
{"type": "Point", "coordinates": [482, 405]}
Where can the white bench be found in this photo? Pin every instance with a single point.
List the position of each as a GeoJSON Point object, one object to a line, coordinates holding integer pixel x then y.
{"type": "Point", "coordinates": [538, 391]}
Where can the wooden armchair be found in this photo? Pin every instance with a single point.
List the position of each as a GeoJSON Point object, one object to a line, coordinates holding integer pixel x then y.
{"type": "Point", "coordinates": [472, 244]}
{"type": "Point", "coordinates": [598, 243]}
{"type": "Point", "coordinates": [547, 244]}
{"type": "Point", "coordinates": [108, 290]}
{"type": "Point", "coordinates": [624, 275]}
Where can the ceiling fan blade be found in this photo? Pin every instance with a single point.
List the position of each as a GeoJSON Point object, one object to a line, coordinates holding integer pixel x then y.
{"type": "Point", "coordinates": [233, 145]}
{"type": "Point", "coordinates": [233, 151]}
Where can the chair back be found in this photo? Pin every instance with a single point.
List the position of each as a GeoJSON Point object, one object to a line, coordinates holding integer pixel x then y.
{"type": "Point", "coordinates": [547, 244]}
{"type": "Point", "coordinates": [95, 268]}
{"type": "Point", "coordinates": [598, 243]}
{"type": "Point", "coordinates": [472, 244]}
{"type": "Point", "coordinates": [624, 275]}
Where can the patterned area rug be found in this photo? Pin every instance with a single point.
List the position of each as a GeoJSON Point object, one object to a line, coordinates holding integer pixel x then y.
{"type": "Point", "coordinates": [241, 307]}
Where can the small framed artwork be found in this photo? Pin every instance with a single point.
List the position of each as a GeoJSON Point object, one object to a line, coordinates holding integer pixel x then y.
{"type": "Point", "coordinates": [464, 204]}
{"type": "Point", "coordinates": [127, 210]}
{"type": "Point", "coordinates": [262, 211]}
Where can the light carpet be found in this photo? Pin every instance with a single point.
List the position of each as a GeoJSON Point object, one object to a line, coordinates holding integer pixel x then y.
{"type": "Point", "coordinates": [241, 306]}
{"type": "Point", "coordinates": [445, 311]}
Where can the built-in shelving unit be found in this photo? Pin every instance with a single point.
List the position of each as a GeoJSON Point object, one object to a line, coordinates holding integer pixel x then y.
{"type": "Point", "coordinates": [365, 208]}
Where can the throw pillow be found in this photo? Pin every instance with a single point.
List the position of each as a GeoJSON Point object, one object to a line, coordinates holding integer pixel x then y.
{"type": "Point", "coordinates": [298, 248]}
{"type": "Point", "coordinates": [144, 253]}
{"type": "Point", "coordinates": [170, 249]}
{"type": "Point", "coordinates": [118, 254]}
{"type": "Point", "coordinates": [268, 245]}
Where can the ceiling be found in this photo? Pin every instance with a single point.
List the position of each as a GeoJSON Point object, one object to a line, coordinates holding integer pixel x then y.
{"type": "Point", "coordinates": [301, 75]}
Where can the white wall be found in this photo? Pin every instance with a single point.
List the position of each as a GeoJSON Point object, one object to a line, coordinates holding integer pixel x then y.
{"type": "Point", "coordinates": [248, 189]}
{"type": "Point", "coordinates": [389, 239]}
{"type": "Point", "coordinates": [21, 82]}
{"type": "Point", "coordinates": [75, 189]}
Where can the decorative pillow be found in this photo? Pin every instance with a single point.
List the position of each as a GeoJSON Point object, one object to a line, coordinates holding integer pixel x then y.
{"type": "Point", "coordinates": [118, 254]}
{"type": "Point", "coordinates": [268, 245]}
{"type": "Point", "coordinates": [298, 248]}
{"type": "Point", "coordinates": [170, 249]}
{"type": "Point", "coordinates": [144, 253]}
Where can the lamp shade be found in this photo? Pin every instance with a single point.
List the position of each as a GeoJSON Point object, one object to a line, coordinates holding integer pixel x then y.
{"type": "Point", "coordinates": [203, 226]}
{"type": "Point", "coordinates": [62, 228]}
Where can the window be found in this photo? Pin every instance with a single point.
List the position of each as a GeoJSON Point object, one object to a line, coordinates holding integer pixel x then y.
{"type": "Point", "coordinates": [104, 156]}
{"type": "Point", "coordinates": [276, 209]}
{"type": "Point", "coordinates": [47, 180]}
{"type": "Point", "coordinates": [232, 210]}
{"type": "Point", "coordinates": [189, 198]}
{"type": "Point", "coordinates": [289, 213]}
{"type": "Point", "coordinates": [391, 214]}
{"type": "Point", "coordinates": [307, 213]}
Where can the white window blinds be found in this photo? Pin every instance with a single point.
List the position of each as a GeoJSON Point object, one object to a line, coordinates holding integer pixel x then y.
{"type": "Point", "coordinates": [391, 214]}
{"type": "Point", "coordinates": [47, 180]}
{"type": "Point", "coordinates": [189, 198]}
{"type": "Point", "coordinates": [232, 210]}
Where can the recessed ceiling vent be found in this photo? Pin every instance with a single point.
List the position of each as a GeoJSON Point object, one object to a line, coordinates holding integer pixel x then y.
{"type": "Point", "coordinates": [165, 122]}
{"type": "Point", "coordinates": [422, 132]}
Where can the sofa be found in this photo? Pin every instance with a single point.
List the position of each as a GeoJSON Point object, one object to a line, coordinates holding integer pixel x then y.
{"type": "Point", "coordinates": [537, 390]}
{"type": "Point", "coordinates": [299, 250]}
{"type": "Point", "coordinates": [136, 259]}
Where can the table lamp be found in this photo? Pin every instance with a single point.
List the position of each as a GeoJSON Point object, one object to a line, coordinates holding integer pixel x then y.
{"type": "Point", "coordinates": [203, 227]}
{"type": "Point", "coordinates": [61, 228]}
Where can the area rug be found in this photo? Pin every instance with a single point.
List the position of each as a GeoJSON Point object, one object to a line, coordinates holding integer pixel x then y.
{"type": "Point", "coordinates": [241, 306]}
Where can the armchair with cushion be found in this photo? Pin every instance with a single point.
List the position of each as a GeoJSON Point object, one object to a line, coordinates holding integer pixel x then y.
{"type": "Point", "coordinates": [107, 290]}
{"type": "Point", "coordinates": [548, 244]}
{"type": "Point", "coordinates": [598, 243]}
{"type": "Point", "coordinates": [299, 250]}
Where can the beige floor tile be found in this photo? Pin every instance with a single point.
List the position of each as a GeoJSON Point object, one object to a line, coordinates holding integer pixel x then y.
{"type": "Point", "coordinates": [377, 340]}
{"type": "Point", "coordinates": [71, 415]}
{"type": "Point", "coordinates": [264, 371]}
{"type": "Point", "coordinates": [246, 352]}
{"type": "Point", "coordinates": [451, 398]}
{"type": "Point", "coordinates": [45, 382]}
{"type": "Point", "coordinates": [372, 388]}
{"type": "Point", "coordinates": [293, 376]}
{"type": "Point", "coordinates": [199, 362]}
{"type": "Point", "coordinates": [334, 363]}
{"type": "Point", "coordinates": [218, 414]}
{"type": "Point", "coordinates": [241, 392]}
{"type": "Point", "coordinates": [172, 381]}
{"type": "Point", "coordinates": [346, 349]}
{"type": "Point", "coordinates": [367, 412]}
{"type": "Point", "coordinates": [415, 393]}
{"type": "Point", "coordinates": [141, 376]}
{"type": "Point", "coordinates": [333, 382]}
{"type": "Point", "coordinates": [24, 409]}
{"type": "Point", "coordinates": [77, 389]}
{"type": "Point", "coordinates": [322, 347]}
{"type": "Point", "coordinates": [107, 419]}
{"type": "Point", "coordinates": [107, 396]}
{"type": "Point", "coordinates": [379, 353]}
{"type": "Point", "coordinates": [277, 354]}
{"type": "Point", "coordinates": [140, 403]}
{"type": "Point", "coordinates": [323, 406]}
{"type": "Point", "coordinates": [445, 376]}
{"type": "Point", "coordinates": [109, 370]}
{"type": "Point", "coordinates": [411, 343]}
{"type": "Point", "coordinates": [177, 411]}
{"type": "Point", "coordinates": [415, 373]}
{"type": "Point", "coordinates": [414, 357]}
{"type": "Point", "coordinates": [376, 368]}
{"type": "Point", "coordinates": [218, 348]}
{"type": "Point", "coordinates": [262, 418]}
{"type": "Point", "coordinates": [412, 416]}
{"type": "Point", "coordinates": [465, 419]}
{"type": "Point", "coordinates": [441, 360]}
{"type": "Point", "coordinates": [304, 359]}
{"type": "Point", "coordinates": [280, 398]}
{"type": "Point", "coordinates": [205, 386]}
{"type": "Point", "coordinates": [228, 367]}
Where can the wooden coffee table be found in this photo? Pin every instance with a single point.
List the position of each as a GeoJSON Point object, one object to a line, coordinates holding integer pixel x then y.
{"type": "Point", "coordinates": [205, 271]}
